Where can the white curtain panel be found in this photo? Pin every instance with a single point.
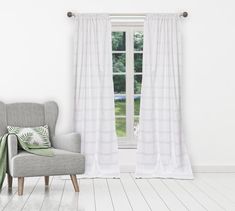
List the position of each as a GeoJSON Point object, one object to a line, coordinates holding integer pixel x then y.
{"type": "Point", "coordinates": [161, 151]}
{"type": "Point", "coordinates": [94, 96]}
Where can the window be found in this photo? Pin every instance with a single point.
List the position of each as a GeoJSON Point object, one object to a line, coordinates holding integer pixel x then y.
{"type": "Point", "coordinates": [127, 54]}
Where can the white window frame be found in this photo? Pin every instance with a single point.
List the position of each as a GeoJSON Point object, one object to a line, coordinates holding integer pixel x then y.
{"type": "Point", "coordinates": [130, 140]}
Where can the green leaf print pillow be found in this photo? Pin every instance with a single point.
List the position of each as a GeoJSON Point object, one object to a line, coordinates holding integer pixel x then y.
{"type": "Point", "coordinates": [33, 137]}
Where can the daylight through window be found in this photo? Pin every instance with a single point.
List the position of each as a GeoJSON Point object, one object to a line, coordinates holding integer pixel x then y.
{"type": "Point", "coordinates": [127, 52]}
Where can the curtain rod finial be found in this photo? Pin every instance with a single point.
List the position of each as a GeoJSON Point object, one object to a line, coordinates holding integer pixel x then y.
{"type": "Point", "coordinates": [69, 14]}
{"type": "Point", "coordinates": [185, 14]}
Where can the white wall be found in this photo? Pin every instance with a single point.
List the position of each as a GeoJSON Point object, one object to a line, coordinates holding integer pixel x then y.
{"type": "Point", "coordinates": [36, 65]}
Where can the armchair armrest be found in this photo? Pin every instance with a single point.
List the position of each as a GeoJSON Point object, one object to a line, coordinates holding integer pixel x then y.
{"type": "Point", "coordinates": [12, 146]}
{"type": "Point", "coordinates": [70, 142]}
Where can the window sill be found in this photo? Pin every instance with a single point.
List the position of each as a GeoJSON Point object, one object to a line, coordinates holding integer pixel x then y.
{"type": "Point", "coordinates": [127, 146]}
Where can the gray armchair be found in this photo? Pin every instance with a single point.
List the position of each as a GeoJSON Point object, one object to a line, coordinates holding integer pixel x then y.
{"type": "Point", "coordinates": [67, 159]}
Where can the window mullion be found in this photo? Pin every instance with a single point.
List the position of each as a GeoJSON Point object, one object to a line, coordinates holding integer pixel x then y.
{"type": "Point", "coordinates": [130, 84]}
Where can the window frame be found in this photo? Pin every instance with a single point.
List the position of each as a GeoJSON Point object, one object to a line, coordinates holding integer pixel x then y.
{"type": "Point", "coordinates": [129, 141]}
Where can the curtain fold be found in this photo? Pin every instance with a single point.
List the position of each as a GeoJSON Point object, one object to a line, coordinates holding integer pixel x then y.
{"type": "Point", "coordinates": [94, 97]}
{"type": "Point", "coordinates": [161, 151]}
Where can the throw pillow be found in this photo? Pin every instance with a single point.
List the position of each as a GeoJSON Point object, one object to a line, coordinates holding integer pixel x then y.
{"type": "Point", "coordinates": [33, 137]}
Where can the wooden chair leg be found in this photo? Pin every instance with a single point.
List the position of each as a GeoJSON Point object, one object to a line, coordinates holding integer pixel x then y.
{"type": "Point", "coordinates": [46, 180]}
{"type": "Point", "coordinates": [75, 182]}
{"type": "Point", "coordinates": [20, 186]}
{"type": "Point", "coordinates": [9, 179]}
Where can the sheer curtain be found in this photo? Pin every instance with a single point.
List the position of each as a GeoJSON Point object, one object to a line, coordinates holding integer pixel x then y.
{"type": "Point", "coordinates": [94, 97]}
{"type": "Point", "coordinates": [161, 151]}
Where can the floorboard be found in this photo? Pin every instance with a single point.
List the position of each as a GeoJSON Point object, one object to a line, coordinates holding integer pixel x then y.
{"type": "Point", "coordinates": [207, 202]}
{"type": "Point", "coordinates": [208, 191]}
{"type": "Point", "coordinates": [53, 195]}
{"type": "Point", "coordinates": [86, 199]}
{"type": "Point", "coordinates": [6, 195]}
{"type": "Point", "coordinates": [216, 194]}
{"type": "Point", "coordinates": [36, 198]}
{"type": "Point", "coordinates": [223, 183]}
{"type": "Point", "coordinates": [102, 195]}
{"type": "Point", "coordinates": [166, 194]}
{"type": "Point", "coordinates": [187, 199]}
{"type": "Point", "coordinates": [135, 197]}
{"type": "Point", "coordinates": [152, 197]}
{"type": "Point", "coordinates": [17, 202]}
{"type": "Point", "coordinates": [118, 195]}
{"type": "Point", "coordinates": [69, 201]}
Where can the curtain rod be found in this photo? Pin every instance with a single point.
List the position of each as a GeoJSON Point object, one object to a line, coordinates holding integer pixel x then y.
{"type": "Point", "coordinates": [71, 14]}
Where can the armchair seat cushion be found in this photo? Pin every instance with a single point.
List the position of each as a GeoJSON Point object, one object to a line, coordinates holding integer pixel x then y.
{"type": "Point", "coordinates": [62, 163]}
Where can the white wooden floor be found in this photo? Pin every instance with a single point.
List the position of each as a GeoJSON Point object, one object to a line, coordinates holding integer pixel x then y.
{"type": "Point", "coordinates": [209, 191]}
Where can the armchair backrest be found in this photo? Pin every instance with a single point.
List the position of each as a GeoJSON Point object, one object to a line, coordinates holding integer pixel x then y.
{"type": "Point", "coordinates": [28, 115]}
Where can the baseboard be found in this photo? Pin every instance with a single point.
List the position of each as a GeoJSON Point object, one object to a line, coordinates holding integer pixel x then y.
{"type": "Point", "coordinates": [214, 169]}
{"type": "Point", "coordinates": [196, 169]}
